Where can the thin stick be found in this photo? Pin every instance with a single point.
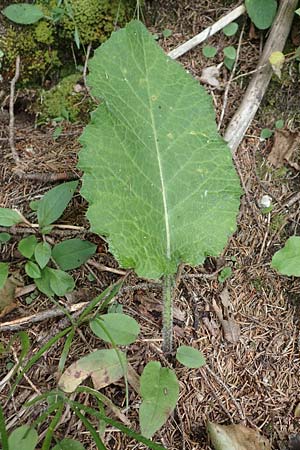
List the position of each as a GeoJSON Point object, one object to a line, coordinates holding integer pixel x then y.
{"type": "Point", "coordinates": [225, 99]}
{"type": "Point", "coordinates": [47, 177]}
{"type": "Point", "coordinates": [11, 112]}
{"type": "Point", "coordinates": [21, 323]}
{"type": "Point", "coordinates": [205, 34]}
{"type": "Point", "coordinates": [260, 81]}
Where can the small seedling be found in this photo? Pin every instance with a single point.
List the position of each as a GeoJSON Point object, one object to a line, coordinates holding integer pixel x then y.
{"type": "Point", "coordinates": [40, 255]}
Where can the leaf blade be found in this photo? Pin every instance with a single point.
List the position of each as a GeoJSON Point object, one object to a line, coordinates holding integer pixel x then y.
{"type": "Point", "coordinates": [72, 253]}
{"type": "Point", "coordinates": [163, 188]}
{"type": "Point", "coordinates": [160, 391]}
{"type": "Point", "coordinates": [54, 202]}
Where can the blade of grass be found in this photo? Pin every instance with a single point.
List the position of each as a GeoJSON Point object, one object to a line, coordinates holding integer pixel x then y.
{"type": "Point", "coordinates": [53, 424]}
{"type": "Point", "coordinates": [100, 323]}
{"type": "Point", "coordinates": [3, 432]}
{"type": "Point", "coordinates": [65, 352]}
{"type": "Point", "coordinates": [36, 357]}
{"type": "Point", "coordinates": [90, 428]}
{"type": "Point", "coordinates": [105, 297]}
{"type": "Point", "coordinates": [138, 437]}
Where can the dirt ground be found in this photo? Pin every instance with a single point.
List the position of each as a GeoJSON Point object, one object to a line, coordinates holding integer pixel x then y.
{"type": "Point", "coordinates": [254, 380]}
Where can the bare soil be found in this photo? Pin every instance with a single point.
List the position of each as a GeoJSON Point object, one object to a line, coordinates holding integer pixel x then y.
{"type": "Point", "coordinates": [255, 380]}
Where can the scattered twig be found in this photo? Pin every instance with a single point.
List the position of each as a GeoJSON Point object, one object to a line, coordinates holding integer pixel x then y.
{"type": "Point", "coordinates": [16, 230]}
{"type": "Point", "coordinates": [205, 34]}
{"type": "Point", "coordinates": [104, 268]}
{"type": "Point", "coordinates": [221, 382]}
{"type": "Point", "coordinates": [11, 128]}
{"type": "Point", "coordinates": [260, 81]}
{"type": "Point", "coordinates": [294, 199]}
{"type": "Point", "coordinates": [23, 322]}
{"type": "Point", "coordinates": [225, 98]}
{"type": "Point", "coordinates": [47, 177]}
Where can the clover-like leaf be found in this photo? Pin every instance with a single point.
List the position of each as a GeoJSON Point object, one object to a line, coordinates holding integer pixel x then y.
{"type": "Point", "coordinates": [159, 179]}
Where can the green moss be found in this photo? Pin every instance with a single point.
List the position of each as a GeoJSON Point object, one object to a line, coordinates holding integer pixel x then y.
{"type": "Point", "coordinates": [37, 59]}
{"type": "Point", "coordinates": [277, 221]}
{"type": "Point", "coordinates": [63, 102]}
{"type": "Point", "coordinates": [44, 32]}
{"type": "Point", "coordinates": [94, 19]}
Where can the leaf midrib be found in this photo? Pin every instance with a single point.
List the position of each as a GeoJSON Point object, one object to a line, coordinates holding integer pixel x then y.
{"type": "Point", "coordinates": [161, 174]}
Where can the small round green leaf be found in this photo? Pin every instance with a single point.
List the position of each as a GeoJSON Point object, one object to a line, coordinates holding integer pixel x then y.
{"type": "Point", "coordinates": [23, 13]}
{"type": "Point", "coordinates": [230, 29]}
{"type": "Point", "coordinates": [72, 253]}
{"type": "Point", "coordinates": [266, 133]}
{"type": "Point", "coordinates": [225, 274]}
{"type": "Point", "coordinates": [209, 51]}
{"type": "Point", "coordinates": [9, 217]}
{"type": "Point", "coordinates": [228, 63]}
{"type": "Point", "coordinates": [42, 254]}
{"type": "Point", "coordinates": [230, 52]}
{"type": "Point", "coordinates": [287, 260]}
{"type": "Point", "coordinates": [261, 12]}
{"type": "Point", "coordinates": [68, 444]}
{"type": "Point", "coordinates": [4, 237]}
{"type": "Point", "coordinates": [23, 438]}
{"type": "Point", "coordinates": [190, 357]}
{"type": "Point", "coordinates": [3, 273]}
{"type": "Point", "coordinates": [27, 245]}
{"type": "Point", "coordinates": [122, 329]}
{"type": "Point", "coordinates": [279, 124]}
{"type": "Point", "coordinates": [167, 33]}
{"type": "Point", "coordinates": [61, 282]}
{"type": "Point", "coordinates": [34, 205]}
{"type": "Point", "coordinates": [43, 283]}
{"type": "Point", "coordinates": [32, 270]}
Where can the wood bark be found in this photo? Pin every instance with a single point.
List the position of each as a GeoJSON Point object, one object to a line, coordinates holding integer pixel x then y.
{"type": "Point", "coordinates": [260, 80]}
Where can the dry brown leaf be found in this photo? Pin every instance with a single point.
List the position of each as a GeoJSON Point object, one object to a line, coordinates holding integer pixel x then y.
{"type": "Point", "coordinates": [231, 329]}
{"type": "Point", "coordinates": [8, 295]}
{"type": "Point", "coordinates": [286, 143]}
{"type": "Point", "coordinates": [297, 411]}
{"type": "Point", "coordinates": [210, 76]}
{"type": "Point", "coordinates": [236, 437]}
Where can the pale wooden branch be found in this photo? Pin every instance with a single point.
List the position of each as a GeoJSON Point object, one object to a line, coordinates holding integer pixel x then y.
{"type": "Point", "coordinates": [205, 34]}
{"type": "Point", "coordinates": [260, 81]}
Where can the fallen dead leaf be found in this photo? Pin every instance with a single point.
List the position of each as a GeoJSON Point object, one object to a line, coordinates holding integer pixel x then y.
{"type": "Point", "coordinates": [286, 143]}
{"type": "Point", "coordinates": [236, 437]}
{"type": "Point", "coordinates": [8, 295]}
{"type": "Point", "coordinates": [103, 366]}
{"type": "Point", "coordinates": [210, 76]}
{"type": "Point", "coordinates": [231, 329]}
{"type": "Point", "coordinates": [297, 411]}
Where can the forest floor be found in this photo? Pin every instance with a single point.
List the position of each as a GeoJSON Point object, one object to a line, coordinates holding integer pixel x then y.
{"type": "Point", "coordinates": [252, 380]}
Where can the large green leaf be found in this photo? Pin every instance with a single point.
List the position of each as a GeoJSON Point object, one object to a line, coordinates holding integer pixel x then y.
{"type": "Point", "coordinates": [261, 12]}
{"type": "Point", "coordinates": [159, 179]}
{"type": "Point", "coordinates": [287, 260]}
